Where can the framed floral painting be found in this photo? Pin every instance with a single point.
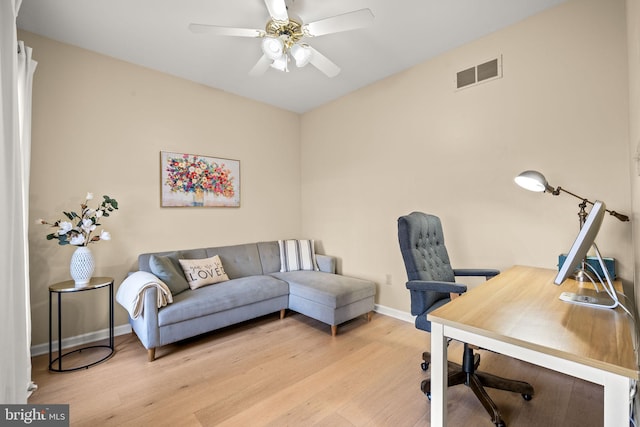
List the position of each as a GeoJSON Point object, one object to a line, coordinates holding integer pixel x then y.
{"type": "Point", "coordinates": [195, 180]}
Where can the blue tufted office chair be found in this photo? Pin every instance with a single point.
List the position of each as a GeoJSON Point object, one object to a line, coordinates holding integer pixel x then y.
{"type": "Point", "coordinates": [431, 281]}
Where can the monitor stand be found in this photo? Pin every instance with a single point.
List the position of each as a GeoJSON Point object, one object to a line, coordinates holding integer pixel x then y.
{"type": "Point", "coordinates": [608, 299]}
{"type": "Point", "coordinates": [602, 302]}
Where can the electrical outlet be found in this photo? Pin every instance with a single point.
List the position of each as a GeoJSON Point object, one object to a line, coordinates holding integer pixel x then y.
{"type": "Point", "coordinates": [388, 280]}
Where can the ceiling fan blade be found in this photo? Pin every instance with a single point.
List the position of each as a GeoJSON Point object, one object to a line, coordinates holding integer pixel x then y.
{"type": "Point", "coordinates": [261, 66]}
{"type": "Point", "coordinates": [225, 31]}
{"type": "Point", "coordinates": [335, 24]}
{"type": "Point", "coordinates": [278, 10]}
{"type": "Point", "coordinates": [323, 63]}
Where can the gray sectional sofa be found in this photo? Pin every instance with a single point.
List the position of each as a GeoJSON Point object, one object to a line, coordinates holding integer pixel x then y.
{"type": "Point", "coordinates": [256, 287]}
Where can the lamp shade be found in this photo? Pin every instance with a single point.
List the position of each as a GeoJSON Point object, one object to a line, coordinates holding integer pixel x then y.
{"type": "Point", "coordinates": [301, 53]}
{"type": "Point", "coordinates": [281, 63]}
{"type": "Point", "coordinates": [533, 181]}
{"type": "Point", "coordinates": [272, 47]}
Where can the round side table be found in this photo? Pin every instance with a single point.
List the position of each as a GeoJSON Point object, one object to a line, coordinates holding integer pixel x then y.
{"type": "Point", "coordinates": [67, 287]}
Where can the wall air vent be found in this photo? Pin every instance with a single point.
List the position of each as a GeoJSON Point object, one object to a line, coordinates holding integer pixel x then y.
{"type": "Point", "coordinates": [488, 70]}
{"type": "Point", "coordinates": [466, 77]}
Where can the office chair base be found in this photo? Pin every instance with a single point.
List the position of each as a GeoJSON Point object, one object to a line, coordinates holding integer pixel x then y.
{"type": "Point", "coordinates": [452, 366]}
{"type": "Point", "coordinates": [426, 360]}
{"type": "Point", "coordinates": [455, 376]}
{"type": "Point", "coordinates": [477, 381]}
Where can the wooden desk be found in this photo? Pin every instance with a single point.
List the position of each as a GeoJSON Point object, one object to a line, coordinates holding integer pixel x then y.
{"type": "Point", "coordinates": [518, 313]}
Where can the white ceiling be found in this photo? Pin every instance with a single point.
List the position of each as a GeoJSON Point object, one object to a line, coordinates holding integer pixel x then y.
{"type": "Point", "coordinates": [154, 34]}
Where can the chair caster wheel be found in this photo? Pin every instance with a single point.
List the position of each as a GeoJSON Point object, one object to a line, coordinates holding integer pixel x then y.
{"type": "Point", "coordinates": [424, 366]}
{"type": "Point", "coordinates": [527, 397]}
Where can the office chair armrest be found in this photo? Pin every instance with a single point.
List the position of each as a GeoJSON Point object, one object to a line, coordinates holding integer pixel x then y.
{"type": "Point", "coordinates": [476, 272]}
{"type": "Point", "coordinates": [434, 286]}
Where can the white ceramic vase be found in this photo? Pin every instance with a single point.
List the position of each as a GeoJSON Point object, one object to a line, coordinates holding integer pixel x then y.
{"type": "Point", "coordinates": [82, 266]}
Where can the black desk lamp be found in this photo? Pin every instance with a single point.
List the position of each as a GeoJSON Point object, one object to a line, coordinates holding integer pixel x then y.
{"type": "Point", "coordinates": [535, 181]}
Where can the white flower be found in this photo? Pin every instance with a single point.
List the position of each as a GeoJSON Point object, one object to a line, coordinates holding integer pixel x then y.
{"type": "Point", "coordinates": [78, 230]}
{"type": "Point", "coordinates": [88, 226]}
{"type": "Point", "coordinates": [65, 227]}
{"type": "Point", "coordinates": [88, 213]}
{"type": "Point", "coordinates": [77, 240]}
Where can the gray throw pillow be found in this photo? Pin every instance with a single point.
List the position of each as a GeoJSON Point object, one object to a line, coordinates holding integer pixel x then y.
{"type": "Point", "coordinates": [167, 269]}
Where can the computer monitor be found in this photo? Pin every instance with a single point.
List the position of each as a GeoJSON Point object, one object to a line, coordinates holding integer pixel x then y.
{"type": "Point", "coordinates": [585, 241]}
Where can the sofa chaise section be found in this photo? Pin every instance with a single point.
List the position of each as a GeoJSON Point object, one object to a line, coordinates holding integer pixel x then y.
{"type": "Point", "coordinates": [329, 298]}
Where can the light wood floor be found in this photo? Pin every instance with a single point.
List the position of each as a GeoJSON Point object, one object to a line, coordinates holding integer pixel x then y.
{"type": "Point", "coordinates": [291, 372]}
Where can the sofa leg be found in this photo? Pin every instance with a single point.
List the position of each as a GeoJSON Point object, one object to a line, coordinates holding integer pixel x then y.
{"type": "Point", "coordinates": [282, 313]}
{"type": "Point", "coordinates": [151, 354]}
{"type": "Point", "coordinates": [369, 316]}
{"type": "Point", "coordinates": [334, 330]}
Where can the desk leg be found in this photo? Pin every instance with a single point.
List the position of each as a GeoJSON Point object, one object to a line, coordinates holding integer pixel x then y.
{"type": "Point", "coordinates": [50, 332]}
{"type": "Point", "coordinates": [438, 376]}
{"type": "Point", "coordinates": [616, 400]}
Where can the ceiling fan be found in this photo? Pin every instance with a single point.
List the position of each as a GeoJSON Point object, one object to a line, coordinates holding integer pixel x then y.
{"type": "Point", "coordinates": [283, 39]}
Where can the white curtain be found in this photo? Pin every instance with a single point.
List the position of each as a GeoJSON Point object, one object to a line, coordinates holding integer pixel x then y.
{"type": "Point", "coordinates": [16, 76]}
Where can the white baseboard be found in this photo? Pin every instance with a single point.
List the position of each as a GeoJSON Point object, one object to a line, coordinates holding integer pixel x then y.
{"type": "Point", "coordinates": [392, 312]}
{"type": "Point", "coordinates": [69, 342]}
{"type": "Point", "coordinates": [90, 337]}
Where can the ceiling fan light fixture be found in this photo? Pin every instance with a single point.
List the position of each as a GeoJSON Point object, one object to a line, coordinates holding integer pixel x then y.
{"type": "Point", "coordinates": [273, 47]}
{"type": "Point", "coordinates": [301, 53]}
{"type": "Point", "coordinates": [282, 39]}
{"type": "Point", "coordinates": [280, 64]}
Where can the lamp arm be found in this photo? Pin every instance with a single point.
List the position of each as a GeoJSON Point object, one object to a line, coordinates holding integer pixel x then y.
{"type": "Point", "coordinates": [555, 192]}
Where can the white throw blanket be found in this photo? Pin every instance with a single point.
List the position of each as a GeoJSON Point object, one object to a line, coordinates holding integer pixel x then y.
{"type": "Point", "coordinates": [131, 292]}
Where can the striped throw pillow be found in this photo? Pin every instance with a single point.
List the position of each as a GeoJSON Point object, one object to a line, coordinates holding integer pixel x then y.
{"type": "Point", "coordinates": [297, 255]}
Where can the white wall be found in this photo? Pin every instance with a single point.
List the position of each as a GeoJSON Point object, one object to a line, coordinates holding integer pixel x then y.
{"type": "Point", "coordinates": [412, 142]}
